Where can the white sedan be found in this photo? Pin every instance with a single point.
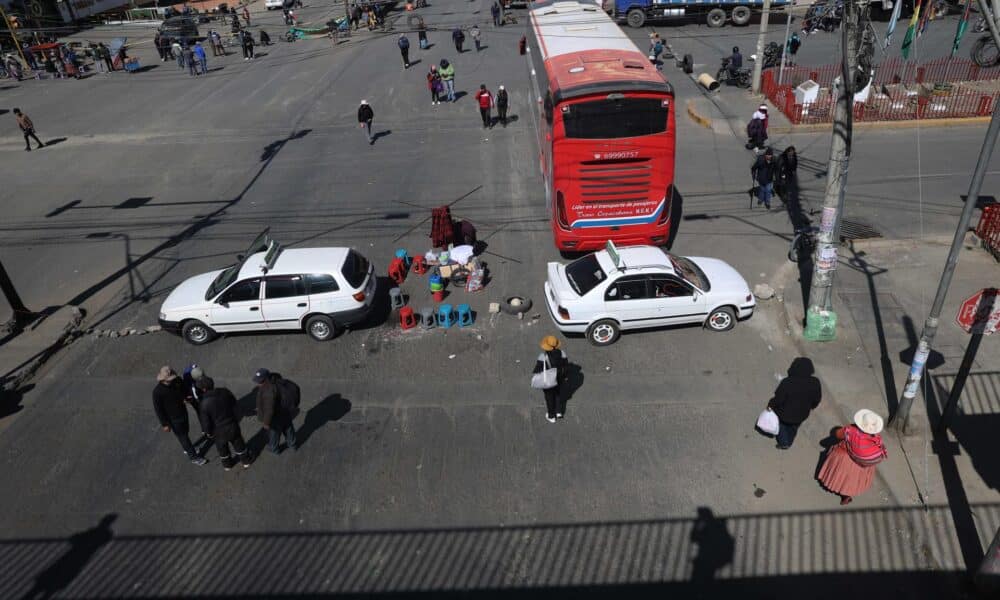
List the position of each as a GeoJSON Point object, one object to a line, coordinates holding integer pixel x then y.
{"type": "Point", "coordinates": [637, 287]}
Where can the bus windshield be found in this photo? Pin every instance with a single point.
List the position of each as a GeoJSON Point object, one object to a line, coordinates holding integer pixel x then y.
{"type": "Point", "coordinates": [618, 118]}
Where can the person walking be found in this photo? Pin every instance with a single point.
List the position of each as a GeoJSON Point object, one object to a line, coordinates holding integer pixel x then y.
{"type": "Point", "coordinates": [220, 417]}
{"type": "Point", "coordinates": [158, 44]}
{"type": "Point", "coordinates": [495, 12]}
{"type": "Point", "coordinates": [179, 53]}
{"type": "Point", "coordinates": [355, 17]}
{"type": "Point", "coordinates": [458, 36]}
{"type": "Point", "coordinates": [849, 466]}
{"type": "Point", "coordinates": [246, 15]}
{"type": "Point", "coordinates": [786, 169]}
{"type": "Point", "coordinates": [246, 42]}
{"type": "Point", "coordinates": [404, 50]}
{"type": "Point", "coordinates": [485, 99]}
{"type": "Point", "coordinates": [794, 42]}
{"type": "Point", "coordinates": [365, 117]}
{"type": "Point", "coordinates": [189, 60]}
{"type": "Point", "coordinates": [796, 396]}
{"type": "Point", "coordinates": [551, 360]}
{"type": "Point", "coordinates": [757, 130]}
{"type": "Point", "coordinates": [477, 37]}
{"type": "Point", "coordinates": [763, 172]}
{"type": "Point", "coordinates": [422, 36]}
{"type": "Point", "coordinates": [199, 55]}
{"type": "Point", "coordinates": [27, 128]}
{"type": "Point", "coordinates": [212, 42]}
{"type": "Point", "coordinates": [434, 84]}
{"type": "Point", "coordinates": [447, 72]}
{"type": "Point", "coordinates": [274, 411]}
{"type": "Point", "coordinates": [265, 40]}
{"type": "Point", "coordinates": [502, 101]}
{"type": "Point", "coordinates": [171, 410]}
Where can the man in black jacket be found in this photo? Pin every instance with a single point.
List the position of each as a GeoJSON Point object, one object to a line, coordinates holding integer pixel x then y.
{"type": "Point", "coordinates": [168, 402]}
{"type": "Point", "coordinates": [763, 173]}
{"type": "Point", "coordinates": [276, 420]}
{"type": "Point", "coordinates": [365, 117]}
{"type": "Point", "coordinates": [221, 420]}
{"type": "Point", "coordinates": [796, 396]}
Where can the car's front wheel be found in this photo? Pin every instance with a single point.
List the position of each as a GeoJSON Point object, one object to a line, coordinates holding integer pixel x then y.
{"type": "Point", "coordinates": [603, 333]}
{"type": "Point", "coordinates": [321, 328]}
{"type": "Point", "coordinates": [721, 319]}
{"type": "Point", "coordinates": [197, 333]}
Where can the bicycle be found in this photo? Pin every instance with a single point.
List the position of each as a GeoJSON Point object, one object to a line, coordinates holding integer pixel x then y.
{"type": "Point", "coordinates": [803, 244]}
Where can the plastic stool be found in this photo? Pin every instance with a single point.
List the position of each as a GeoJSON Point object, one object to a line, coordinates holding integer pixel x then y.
{"type": "Point", "coordinates": [396, 298]}
{"type": "Point", "coordinates": [427, 317]}
{"type": "Point", "coordinates": [463, 315]}
{"type": "Point", "coordinates": [402, 254]}
{"type": "Point", "coordinates": [445, 316]}
{"type": "Point", "coordinates": [397, 270]}
{"type": "Point", "coordinates": [406, 318]}
{"type": "Point", "coordinates": [419, 265]}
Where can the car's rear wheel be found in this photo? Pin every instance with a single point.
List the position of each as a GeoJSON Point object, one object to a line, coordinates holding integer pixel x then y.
{"type": "Point", "coordinates": [603, 333]}
{"type": "Point", "coordinates": [197, 333]}
{"type": "Point", "coordinates": [321, 328]}
{"type": "Point", "coordinates": [721, 319]}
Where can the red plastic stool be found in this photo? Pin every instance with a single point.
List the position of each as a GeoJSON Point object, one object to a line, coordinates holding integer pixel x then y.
{"type": "Point", "coordinates": [419, 265]}
{"type": "Point", "coordinates": [407, 320]}
{"type": "Point", "coordinates": [397, 270]}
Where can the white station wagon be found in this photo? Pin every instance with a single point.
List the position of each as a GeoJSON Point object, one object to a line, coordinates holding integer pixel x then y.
{"type": "Point", "coordinates": [320, 290]}
{"type": "Point", "coordinates": [637, 287]}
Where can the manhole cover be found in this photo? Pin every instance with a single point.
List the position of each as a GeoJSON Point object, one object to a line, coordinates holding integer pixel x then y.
{"type": "Point", "coordinates": [857, 230]}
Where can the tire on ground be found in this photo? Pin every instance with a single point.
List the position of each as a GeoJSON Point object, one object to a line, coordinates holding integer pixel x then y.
{"type": "Point", "coordinates": [510, 309]}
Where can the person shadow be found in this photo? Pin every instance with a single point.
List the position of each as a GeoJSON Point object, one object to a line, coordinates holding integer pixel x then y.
{"type": "Point", "coordinates": [329, 409]}
{"type": "Point", "coordinates": [716, 546]}
{"type": "Point", "coordinates": [572, 383]}
{"type": "Point", "coordinates": [826, 444]}
{"type": "Point", "coordinates": [247, 405]}
{"type": "Point", "coordinates": [381, 134]}
{"type": "Point", "coordinates": [83, 546]}
{"type": "Point", "coordinates": [10, 400]}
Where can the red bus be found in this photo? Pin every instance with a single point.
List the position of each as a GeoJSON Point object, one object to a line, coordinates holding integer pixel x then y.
{"type": "Point", "coordinates": [605, 129]}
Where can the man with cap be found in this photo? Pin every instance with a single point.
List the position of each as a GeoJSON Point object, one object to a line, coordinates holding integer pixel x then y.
{"type": "Point", "coordinates": [502, 101]}
{"type": "Point", "coordinates": [220, 418]}
{"type": "Point", "coordinates": [168, 402]}
{"type": "Point", "coordinates": [365, 117]}
{"type": "Point", "coordinates": [273, 416]}
{"type": "Point", "coordinates": [404, 50]}
{"type": "Point", "coordinates": [763, 173]}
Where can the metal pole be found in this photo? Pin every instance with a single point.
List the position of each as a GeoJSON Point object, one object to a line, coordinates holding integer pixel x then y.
{"type": "Point", "coordinates": [901, 418]}
{"type": "Point", "coordinates": [784, 49]}
{"type": "Point", "coordinates": [758, 64]}
{"type": "Point", "coordinates": [22, 316]}
{"type": "Point", "coordinates": [820, 320]}
{"type": "Point", "coordinates": [13, 36]}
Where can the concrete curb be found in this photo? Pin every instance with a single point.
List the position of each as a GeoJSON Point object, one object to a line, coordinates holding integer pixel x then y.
{"type": "Point", "coordinates": [696, 116]}
{"type": "Point", "coordinates": [879, 125]}
{"type": "Point", "coordinates": [67, 333]}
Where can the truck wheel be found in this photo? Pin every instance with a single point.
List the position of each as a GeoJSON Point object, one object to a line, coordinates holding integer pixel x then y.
{"type": "Point", "coordinates": [716, 17]}
{"type": "Point", "coordinates": [741, 15]}
{"type": "Point", "coordinates": [636, 18]}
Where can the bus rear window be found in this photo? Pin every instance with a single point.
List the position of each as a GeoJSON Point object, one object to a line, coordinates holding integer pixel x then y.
{"type": "Point", "coordinates": [611, 119]}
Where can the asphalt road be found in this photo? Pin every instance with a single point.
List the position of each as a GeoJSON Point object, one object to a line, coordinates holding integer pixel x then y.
{"type": "Point", "coordinates": [403, 432]}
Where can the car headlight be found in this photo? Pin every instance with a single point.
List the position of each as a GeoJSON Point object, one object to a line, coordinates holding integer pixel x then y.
{"type": "Point", "coordinates": [163, 316]}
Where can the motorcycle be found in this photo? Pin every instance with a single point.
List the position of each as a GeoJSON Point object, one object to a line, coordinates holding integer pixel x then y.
{"type": "Point", "coordinates": [741, 78]}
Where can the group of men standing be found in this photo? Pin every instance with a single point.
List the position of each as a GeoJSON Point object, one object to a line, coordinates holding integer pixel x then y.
{"type": "Point", "coordinates": [219, 414]}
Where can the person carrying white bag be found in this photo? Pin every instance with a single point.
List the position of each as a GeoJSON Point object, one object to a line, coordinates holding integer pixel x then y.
{"type": "Point", "coordinates": [549, 373]}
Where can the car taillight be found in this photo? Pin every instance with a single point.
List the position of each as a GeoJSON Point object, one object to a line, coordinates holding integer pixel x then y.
{"type": "Point", "coordinates": [665, 215]}
{"type": "Point", "coordinates": [749, 297]}
{"type": "Point", "coordinates": [561, 211]}
{"type": "Point", "coordinates": [360, 296]}
{"type": "Point", "coordinates": [564, 313]}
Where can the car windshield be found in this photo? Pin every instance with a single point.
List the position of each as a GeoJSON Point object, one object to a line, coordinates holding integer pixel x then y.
{"type": "Point", "coordinates": [687, 269]}
{"type": "Point", "coordinates": [222, 281]}
{"type": "Point", "coordinates": [584, 274]}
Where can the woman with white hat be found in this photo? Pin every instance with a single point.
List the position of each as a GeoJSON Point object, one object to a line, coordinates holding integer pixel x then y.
{"type": "Point", "coordinates": [850, 466]}
{"type": "Point", "coordinates": [548, 374]}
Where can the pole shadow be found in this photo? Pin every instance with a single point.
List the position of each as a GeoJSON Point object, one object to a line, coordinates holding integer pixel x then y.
{"type": "Point", "coordinates": [62, 572]}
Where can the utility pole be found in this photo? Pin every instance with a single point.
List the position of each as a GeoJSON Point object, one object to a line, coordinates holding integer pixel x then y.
{"type": "Point", "coordinates": [784, 49]}
{"type": "Point", "coordinates": [901, 419]}
{"type": "Point", "coordinates": [758, 65]}
{"type": "Point", "coordinates": [821, 321]}
{"type": "Point", "coordinates": [13, 36]}
{"type": "Point", "coordinates": [22, 316]}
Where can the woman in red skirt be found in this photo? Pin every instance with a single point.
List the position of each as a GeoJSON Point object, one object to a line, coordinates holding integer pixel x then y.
{"type": "Point", "coordinates": [850, 466]}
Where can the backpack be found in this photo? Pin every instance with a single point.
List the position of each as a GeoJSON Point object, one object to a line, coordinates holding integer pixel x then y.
{"type": "Point", "coordinates": [404, 44]}
{"type": "Point", "coordinates": [289, 395]}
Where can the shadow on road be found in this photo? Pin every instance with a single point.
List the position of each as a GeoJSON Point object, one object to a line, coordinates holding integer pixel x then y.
{"type": "Point", "coordinates": [330, 409]}
{"type": "Point", "coordinates": [82, 548]}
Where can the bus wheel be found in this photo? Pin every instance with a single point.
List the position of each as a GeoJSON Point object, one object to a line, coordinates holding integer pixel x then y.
{"type": "Point", "coordinates": [716, 17]}
{"type": "Point", "coordinates": [636, 18]}
{"type": "Point", "coordinates": [741, 15]}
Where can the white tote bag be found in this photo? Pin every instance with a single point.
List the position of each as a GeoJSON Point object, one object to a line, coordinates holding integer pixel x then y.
{"type": "Point", "coordinates": [545, 380]}
{"type": "Point", "coordinates": [768, 422]}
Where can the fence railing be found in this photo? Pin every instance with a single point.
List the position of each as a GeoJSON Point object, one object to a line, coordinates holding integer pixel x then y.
{"type": "Point", "coordinates": [952, 104]}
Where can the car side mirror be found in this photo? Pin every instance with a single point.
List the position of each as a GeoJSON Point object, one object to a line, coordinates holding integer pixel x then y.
{"type": "Point", "coordinates": [223, 303]}
{"type": "Point", "coordinates": [694, 297]}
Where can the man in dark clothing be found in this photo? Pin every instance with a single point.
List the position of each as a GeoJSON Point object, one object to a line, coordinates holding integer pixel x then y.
{"type": "Point", "coordinates": [796, 396]}
{"type": "Point", "coordinates": [221, 420]}
{"type": "Point", "coordinates": [763, 173]}
{"type": "Point", "coordinates": [495, 11]}
{"type": "Point", "coordinates": [355, 17]}
{"type": "Point", "coordinates": [786, 174]}
{"type": "Point", "coordinates": [168, 402]}
{"type": "Point", "coordinates": [735, 61]}
{"type": "Point", "coordinates": [502, 101]}
{"type": "Point", "coordinates": [272, 415]}
{"type": "Point", "coordinates": [189, 60]}
{"type": "Point", "coordinates": [158, 43]}
{"type": "Point", "coordinates": [365, 117]}
{"type": "Point", "coordinates": [404, 50]}
{"type": "Point", "coordinates": [458, 36]}
{"type": "Point", "coordinates": [105, 55]}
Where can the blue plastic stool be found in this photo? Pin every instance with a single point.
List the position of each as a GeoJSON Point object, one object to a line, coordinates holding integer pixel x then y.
{"type": "Point", "coordinates": [445, 316]}
{"type": "Point", "coordinates": [402, 254]}
{"type": "Point", "coordinates": [464, 315]}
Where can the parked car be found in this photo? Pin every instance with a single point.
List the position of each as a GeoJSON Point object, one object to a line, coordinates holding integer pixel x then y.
{"type": "Point", "coordinates": [272, 4]}
{"type": "Point", "coordinates": [637, 287]}
{"type": "Point", "coordinates": [319, 290]}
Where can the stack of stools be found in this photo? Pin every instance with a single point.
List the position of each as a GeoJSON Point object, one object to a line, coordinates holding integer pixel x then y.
{"type": "Point", "coordinates": [404, 256]}
{"type": "Point", "coordinates": [437, 287]}
{"type": "Point", "coordinates": [463, 315]}
{"type": "Point", "coordinates": [397, 270]}
{"type": "Point", "coordinates": [427, 317]}
{"type": "Point", "coordinates": [445, 316]}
